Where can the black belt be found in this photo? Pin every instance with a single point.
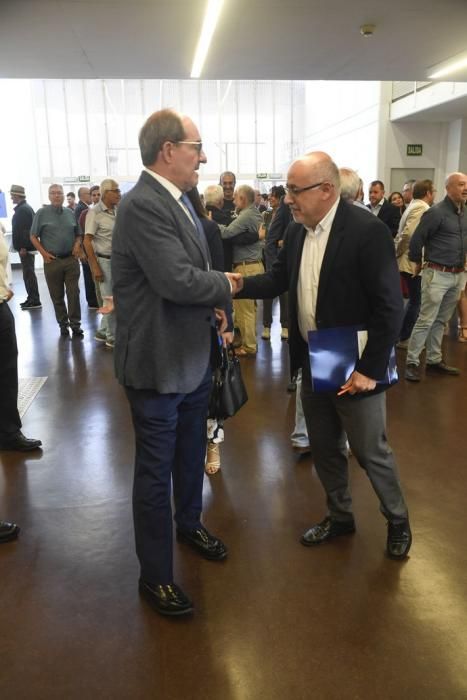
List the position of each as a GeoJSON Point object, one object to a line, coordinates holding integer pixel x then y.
{"type": "Point", "coordinates": [56, 255]}
{"type": "Point", "coordinates": [444, 268]}
{"type": "Point", "coordinates": [101, 255]}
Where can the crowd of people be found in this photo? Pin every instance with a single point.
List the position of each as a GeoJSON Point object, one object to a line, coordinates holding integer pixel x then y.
{"type": "Point", "coordinates": [163, 266]}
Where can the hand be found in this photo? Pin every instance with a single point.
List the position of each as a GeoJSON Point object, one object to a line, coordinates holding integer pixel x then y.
{"type": "Point", "coordinates": [262, 232]}
{"type": "Point", "coordinates": [77, 251]}
{"type": "Point", "coordinates": [23, 252]}
{"type": "Point", "coordinates": [236, 281]}
{"type": "Point", "coordinates": [416, 268]}
{"type": "Point", "coordinates": [10, 293]}
{"type": "Point", "coordinates": [227, 338]}
{"type": "Point", "coordinates": [357, 384]}
{"type": "Point", "coordinates": [280, 243]}
{"type": "Point", "coordinates": [48, 257]}
{"type": "Point", "coordinates": [108, 306]}
{"type": "Point", "coordinates": [221, 319]}
{"type": "Point", "coordinates": [97, 273]}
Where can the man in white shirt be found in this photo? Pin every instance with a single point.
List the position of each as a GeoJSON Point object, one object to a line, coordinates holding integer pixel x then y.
{"type": "Point", "coordinates": [339, 267]}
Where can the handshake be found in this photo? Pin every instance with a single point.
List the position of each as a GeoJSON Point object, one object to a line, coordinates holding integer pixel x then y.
{"type": "Point", "coordinates": [236, 282]}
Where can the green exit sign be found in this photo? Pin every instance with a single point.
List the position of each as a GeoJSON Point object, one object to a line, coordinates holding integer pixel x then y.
{"type": "Point", "coordinates": [414, 149]}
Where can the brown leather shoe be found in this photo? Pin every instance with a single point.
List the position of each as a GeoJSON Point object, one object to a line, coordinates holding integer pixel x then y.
{"type": "Point", "coordinates": [412, 373]}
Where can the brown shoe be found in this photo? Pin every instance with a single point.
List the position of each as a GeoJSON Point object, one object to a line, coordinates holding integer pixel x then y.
{"type": "Point", "coordinates": [243, 352]}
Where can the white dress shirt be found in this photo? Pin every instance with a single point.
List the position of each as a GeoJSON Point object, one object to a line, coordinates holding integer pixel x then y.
{"type": "Point", "coordinates": [310, 267]}
{"type": "Point", "coordinates": [174, 191]}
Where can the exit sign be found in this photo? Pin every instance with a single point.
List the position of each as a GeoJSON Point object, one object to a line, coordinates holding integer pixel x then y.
{"type": "Point", "coordinates": [414, 149]}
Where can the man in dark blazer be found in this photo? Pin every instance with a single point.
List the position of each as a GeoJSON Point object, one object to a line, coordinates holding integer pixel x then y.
{"type": "Point", "coordinates": [339, 267]}
{"type": "Point", "coordinates": [384, 210]}
{"type": "Point", "coordinates": [165, 296]}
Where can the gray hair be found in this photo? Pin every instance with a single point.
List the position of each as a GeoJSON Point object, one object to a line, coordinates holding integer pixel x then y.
{"type": "Point", "coordinates": [213, 194]}
{"type": "Point", "coordinates": [247, 192]}
{"type": "Point", "coordinates": [108, 184]}
{"type": "Point", "coordinates": [162, 126]}
{"type": "Point", "coordinates": [350, 184]}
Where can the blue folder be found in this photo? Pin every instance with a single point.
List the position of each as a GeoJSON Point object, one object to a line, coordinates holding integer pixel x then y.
{"type": "Point", "coordinates": [334, 353]}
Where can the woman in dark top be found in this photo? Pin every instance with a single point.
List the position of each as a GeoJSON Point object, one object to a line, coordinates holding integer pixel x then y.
{"type": "Point", "coordinates": [215, 428]}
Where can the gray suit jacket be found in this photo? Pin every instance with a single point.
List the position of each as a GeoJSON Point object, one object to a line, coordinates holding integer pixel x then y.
{"type": "Point", "coordinates": [163, 293]}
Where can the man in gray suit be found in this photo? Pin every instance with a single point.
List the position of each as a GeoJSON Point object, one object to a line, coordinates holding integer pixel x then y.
{"type": "Point", "coordinates": [165, 296]}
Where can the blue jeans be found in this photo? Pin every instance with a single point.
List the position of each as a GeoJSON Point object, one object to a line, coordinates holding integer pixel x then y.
{"type": "Point", "coordinates": [440, 292]}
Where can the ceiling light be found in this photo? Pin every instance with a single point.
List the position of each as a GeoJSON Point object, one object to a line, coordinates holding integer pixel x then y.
{"type": "Point", "coordinates": [211, 17]}
{"type": "Point", "coordinates": [445, 68]}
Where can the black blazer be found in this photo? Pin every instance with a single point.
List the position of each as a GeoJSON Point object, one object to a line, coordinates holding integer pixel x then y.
{"type": "Point", "coordinates": [390, 215]}
{"type": "Point", "coordinates": [359, 284]}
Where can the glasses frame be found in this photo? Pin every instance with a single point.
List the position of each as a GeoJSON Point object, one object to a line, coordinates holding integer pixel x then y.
{"type": "Point", "coordinates": [294, 191]}
{"type": "Point", "coordinates": [197, 144]}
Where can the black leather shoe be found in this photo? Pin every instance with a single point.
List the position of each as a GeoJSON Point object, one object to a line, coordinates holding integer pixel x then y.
{"type": "Point", "coordinates": [19, 442]}
{"type": "Point", "coordinates": [399, 540]}
{"type": "Point", "coordinates": [8, 531]}
{"type": "Point", "coordinates": [78, 333]}
{"type": "Point", "coordinates": [64, 332]}
{"type": "Point", "coordinates": [412, 373]}
{"type": "Point", "coordinates": [205, 544]}
{"type": "Point", "coordinates": [326, 530]}
{"type": "Point", "coordinates": [167, 599]}
{"type": "Point", "coordinates": [443, 368]}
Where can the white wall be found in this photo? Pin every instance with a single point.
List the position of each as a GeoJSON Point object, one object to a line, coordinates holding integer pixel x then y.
{"type": "Point", "coordinates": [19, 163]}
{"type": "Point", "coordinates": [343, 119]}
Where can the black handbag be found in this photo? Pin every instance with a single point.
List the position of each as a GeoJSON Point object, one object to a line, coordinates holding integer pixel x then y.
{"type": "Point", "coordinates": [228, 393]}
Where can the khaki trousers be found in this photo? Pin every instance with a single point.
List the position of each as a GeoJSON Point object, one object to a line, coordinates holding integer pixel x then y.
{"type": "Point", "coordinates": [245, 309]}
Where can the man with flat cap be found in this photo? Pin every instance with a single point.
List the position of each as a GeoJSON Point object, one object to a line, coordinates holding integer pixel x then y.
{"type": "Point", "coordinates": [21, 228]}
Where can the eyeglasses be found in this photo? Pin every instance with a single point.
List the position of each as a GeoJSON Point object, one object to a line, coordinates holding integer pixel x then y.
{"type": "Point", "coordinates": [298, 190]}
{"type": "Point", "coordinates": [198, 145]}
{"type": "Point", "coordinates": [116, 190]}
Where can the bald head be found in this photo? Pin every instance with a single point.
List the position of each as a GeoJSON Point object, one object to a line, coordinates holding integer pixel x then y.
{"type": "Point", "coordinates": [313, 186]}
{"type": "Point", "coordinates": [456, 187]}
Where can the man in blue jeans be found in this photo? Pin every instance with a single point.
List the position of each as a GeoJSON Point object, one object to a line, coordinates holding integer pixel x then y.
{"type": "Point", "coordinates": [442, 233]}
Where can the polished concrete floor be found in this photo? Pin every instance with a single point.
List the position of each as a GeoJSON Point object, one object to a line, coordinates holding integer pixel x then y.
{"type": "Point", "coordinates": [276, 621]}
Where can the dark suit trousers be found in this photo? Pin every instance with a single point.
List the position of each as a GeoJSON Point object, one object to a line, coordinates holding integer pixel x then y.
{"type": "Point", "coordinates": [61, 274]}
{"type": "Point", "coordinates": [9, 417]}
{"type": "Point", "coordinates": [329, 418]}
{"type": "Point", "coordinates": [413, 306]}
{"type": "Point", "coordinates": [170, 432]}
{"type": "Point", "coordinates": [89, 286]}
{"type": "Point", "coordinates": [29, 277]}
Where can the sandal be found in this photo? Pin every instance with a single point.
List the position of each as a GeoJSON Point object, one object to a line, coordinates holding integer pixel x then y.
{"type": "Point", "coordinates": [462, 334]}
{"type": "Point", "coordinates": [213, 459]}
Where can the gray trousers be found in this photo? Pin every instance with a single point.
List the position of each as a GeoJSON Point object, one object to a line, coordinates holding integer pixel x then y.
{"type": "Point", "coordinates": [63, 274]}
{"type": "Point", "coordinates": [329, 418]}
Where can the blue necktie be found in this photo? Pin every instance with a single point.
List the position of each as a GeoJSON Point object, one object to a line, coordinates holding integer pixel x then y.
{"type": "Point", "coordinates": [198, 225]}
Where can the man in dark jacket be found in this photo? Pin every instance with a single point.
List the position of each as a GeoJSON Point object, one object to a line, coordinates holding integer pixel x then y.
{"type": "Point", "coordinates": [21, 225]}
{"type": "Point", "coordinates": [384, 210]}
{"type": "Point", "coordinates": [339, 267]}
